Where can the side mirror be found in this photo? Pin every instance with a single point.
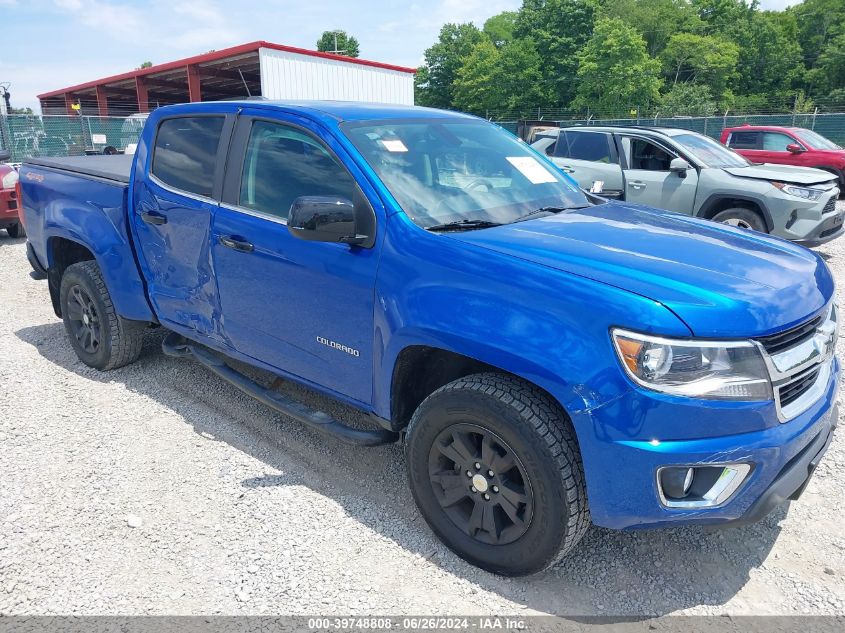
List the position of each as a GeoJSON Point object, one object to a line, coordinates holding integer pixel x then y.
{"type": "Point", "coordinates": [324, 219]}
{"type": "Point", "coordinates": [794, 148]}
{"type": "Point", "coordinates": [5, 155]}
{"type": "Point", "coordinates": [680, 167]}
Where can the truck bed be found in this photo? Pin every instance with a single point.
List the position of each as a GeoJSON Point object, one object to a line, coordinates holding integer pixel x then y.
{"type": "Point", "coordinates": [114, 168]}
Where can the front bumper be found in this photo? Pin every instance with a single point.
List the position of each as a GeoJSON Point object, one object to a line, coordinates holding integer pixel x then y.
{"type": "Point", "coordinates": [793, 479]}
{"type": "Point", "coordinates": [621, 483]}
{"type": "Point", "coordinates": [807, 223]}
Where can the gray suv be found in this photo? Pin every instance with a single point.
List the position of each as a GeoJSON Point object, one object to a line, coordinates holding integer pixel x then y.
{"type": "Point", "coordinates": [690, 173]}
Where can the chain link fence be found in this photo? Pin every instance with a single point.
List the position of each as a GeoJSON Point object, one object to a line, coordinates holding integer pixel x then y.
{"type": "Point", "coordinates": [30, 136]}
{"type": "Point", "coordinates": [830, 125]}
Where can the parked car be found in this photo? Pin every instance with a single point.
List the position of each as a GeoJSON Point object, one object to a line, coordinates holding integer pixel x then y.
{"type": "Point", "coordinates": [787, 146]}
{"type": "Point", "coordinates": [9, 198]}
{"type": "Point", "coordinates": [690, 173]}
{"type": "Point", "coordinates": [548, 357]}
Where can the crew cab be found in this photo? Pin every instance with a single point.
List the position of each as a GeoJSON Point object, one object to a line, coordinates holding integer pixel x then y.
{"type": "Point", "coordinates": [687, 172]}
{"type": "Point", "coordinates": [9, 219]}
{"type": "Point", "coordinates": [549, 359]}
{"type": "Point", "coordinates": [787, 146]}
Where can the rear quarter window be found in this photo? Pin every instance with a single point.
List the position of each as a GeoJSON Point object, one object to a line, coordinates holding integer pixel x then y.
{"type": "Point", "coordinates": [185, 153]}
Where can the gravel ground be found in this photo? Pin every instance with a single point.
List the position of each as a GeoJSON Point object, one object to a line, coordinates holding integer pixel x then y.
{"type": "Point", "coordinates": [160, 489]}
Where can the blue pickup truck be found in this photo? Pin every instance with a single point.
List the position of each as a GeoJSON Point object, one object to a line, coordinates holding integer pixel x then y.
{"type": "Point", "coordinates": [550, 359]}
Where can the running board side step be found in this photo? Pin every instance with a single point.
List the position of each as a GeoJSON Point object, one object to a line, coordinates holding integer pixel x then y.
{"type": "Point", "coordinates": [180, 347]}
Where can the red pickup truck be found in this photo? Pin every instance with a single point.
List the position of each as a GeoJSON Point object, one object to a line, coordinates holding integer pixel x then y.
{"type": "Point", "coordinates": [9, 219]}
{"type": "Point", "coordinates": [787, 146]}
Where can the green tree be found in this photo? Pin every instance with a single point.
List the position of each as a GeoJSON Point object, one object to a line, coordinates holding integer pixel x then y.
{"type": "Point", "coordinates": [500, 28]}
{"type": "Point", "coordinates": [145, 65]}
{"type": "Point", "coordinates": [434, 80]}
{"type": "Point", "coordinates": [656, 20]}
{"type": "Point", "coordinates": [704, 59]}
{"type": "Point", "coordinates": [829, 73]}
{"type": "Point", "coordinates": [331, 41]}
{"type": "Point", "coordinates": [725, 17]}
{"type": "Point", "coordinates": [687, 99]}
{"type": "Point", "coordinates": [497, 80]}
{"type": "Point", "coordinates": [819, 22]}
{"type": "Point", "coordinates": [770, 56]}
{"type": "Point", "coordinates": [559, 29]}
{"type": "Point", "coordinates": [615, 70]}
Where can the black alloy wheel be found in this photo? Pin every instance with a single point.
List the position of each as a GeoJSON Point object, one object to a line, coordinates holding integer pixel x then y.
{"type": "Point", "coordinates": [480, 483]}
{"type": "Point", "coordinates": [84, 320]}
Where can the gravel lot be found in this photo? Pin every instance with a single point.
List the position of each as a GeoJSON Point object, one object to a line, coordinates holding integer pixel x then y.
{"type": "Point", "coordinates": [159, 489]}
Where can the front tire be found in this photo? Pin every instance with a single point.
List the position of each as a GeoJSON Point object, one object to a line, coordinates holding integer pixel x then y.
{"type": "Point", "coordinates": [742, 218]}
{"type": "Point", "coordinates": [99, 336]}
{"type": "Point", "coordinates": [495, 470]}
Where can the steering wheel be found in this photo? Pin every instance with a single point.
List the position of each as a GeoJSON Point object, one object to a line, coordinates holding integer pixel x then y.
{"type": "Point", "coordinates": [478, 182]}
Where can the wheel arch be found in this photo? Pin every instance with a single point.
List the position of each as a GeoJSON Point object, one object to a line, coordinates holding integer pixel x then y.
{"type": "Point", "coordinates": [720, 202]}
{"type": "Point", "coordinates": [421, 369]}
{"type": "Point", "coordinates": [63, 252]}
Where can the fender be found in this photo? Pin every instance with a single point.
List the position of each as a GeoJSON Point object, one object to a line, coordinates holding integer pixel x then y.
{"type": "Point", "coordinates": [100, 226]}
{"type": "Point", "coordinates": [476, 311]}
{"type": "Point", "coordinates": [715, 198]}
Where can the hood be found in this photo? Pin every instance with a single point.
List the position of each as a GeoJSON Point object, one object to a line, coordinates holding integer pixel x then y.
{"type": "Point", "coordinates": [721, 281]}
{"type": "Point", "coordinates": [782, 173]}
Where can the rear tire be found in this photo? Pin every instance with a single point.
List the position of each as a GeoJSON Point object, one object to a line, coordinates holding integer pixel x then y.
{"type": "Point", "coordinates": [516, 447]}
{"type": "Point", "coordinates": [16, 230]}
{"type": "Point", "coordinates": [100, 337]}
{"type": "Point", "coordinates": [743, 218]}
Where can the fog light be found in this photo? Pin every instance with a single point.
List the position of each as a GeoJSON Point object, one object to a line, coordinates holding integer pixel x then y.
{"type": "Point", "coordinates": [704, 486]}
{"type": "Point", "coordinates": [676, 482]}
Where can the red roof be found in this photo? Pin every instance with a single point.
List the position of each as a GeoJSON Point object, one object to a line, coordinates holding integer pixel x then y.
{"type": "Point", "coordinates": [217, 55]}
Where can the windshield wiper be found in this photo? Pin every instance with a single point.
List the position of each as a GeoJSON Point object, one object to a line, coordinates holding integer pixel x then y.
{"type": "Point", "coordinates": [547, 211]}
{"type": "Point", "coordinates": [462, 225]}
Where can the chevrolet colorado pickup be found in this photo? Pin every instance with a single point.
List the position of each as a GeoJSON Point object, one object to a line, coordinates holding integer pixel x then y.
{"type": "Point", "coordinates": [549, 358]}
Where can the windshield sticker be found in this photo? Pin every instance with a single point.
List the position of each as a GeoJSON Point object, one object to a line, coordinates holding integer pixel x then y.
{"type": "Point", "coordinates": [394, 145]}
{"type": "Point", "coordinates": [532, 169]}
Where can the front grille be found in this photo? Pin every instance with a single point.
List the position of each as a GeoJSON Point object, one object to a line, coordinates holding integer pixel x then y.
{"type": "Point", "coordinates": [830, 207]}
{"type": "Point", "coordinates": [798, 386]}
{"type": "Point", "coordinates": [775, 343]}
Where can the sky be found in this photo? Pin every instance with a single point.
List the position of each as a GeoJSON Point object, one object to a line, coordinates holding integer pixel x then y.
{"type": "Point", "coordinates": [51, 44]}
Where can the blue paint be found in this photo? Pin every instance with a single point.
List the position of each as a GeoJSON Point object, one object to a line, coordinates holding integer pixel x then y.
{"type": "Point", "coordinates": [536, 299]}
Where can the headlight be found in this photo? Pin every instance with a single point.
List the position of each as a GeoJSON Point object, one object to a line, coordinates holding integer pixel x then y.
{"type": "Point", "coordinates": [715, 370]}
{"type": "Point", "coordinates": [807, 193]}
{"type": "Point", "coordinates": [9, 180]}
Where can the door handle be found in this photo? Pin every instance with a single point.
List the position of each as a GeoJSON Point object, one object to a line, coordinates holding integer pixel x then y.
{"type": "Point", "coordinates": [568, 169]}
{"type": "Point", "coordinates": [636, 184]}
{"type": "Point", "coordinates": [234, 243]}
{"type": "Point", "coordinates": [151, 217]}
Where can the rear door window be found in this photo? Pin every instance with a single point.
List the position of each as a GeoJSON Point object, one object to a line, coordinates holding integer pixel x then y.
{"type": "Point", "coordinates": [185, 153]}
{"type": "Point", "coordinates": [590, 146]}
{"type": "Point", "coordinates": [743, 140]}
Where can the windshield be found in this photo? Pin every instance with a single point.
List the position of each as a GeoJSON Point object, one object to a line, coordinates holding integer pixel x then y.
{"type": "Point", "coordinates": [816, 141]}
{"type": "Point", "coordinates": [709, 152]}
{"type": "Point", "coordinates": [444, 170]}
